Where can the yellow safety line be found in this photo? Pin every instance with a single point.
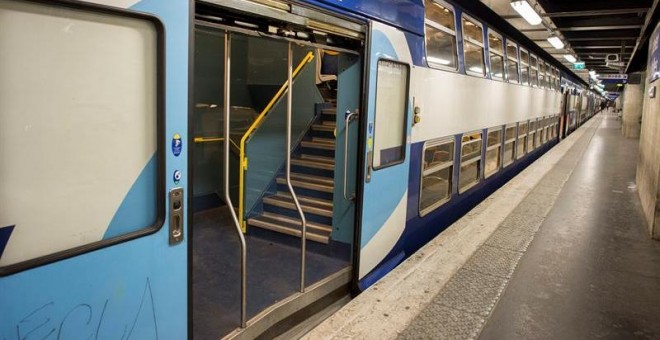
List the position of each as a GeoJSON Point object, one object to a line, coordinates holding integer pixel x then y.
{"type": "Point", "coordinates": [243, 161]}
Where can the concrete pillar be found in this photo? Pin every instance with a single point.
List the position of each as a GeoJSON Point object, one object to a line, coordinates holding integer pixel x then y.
{"type": "Point", "coordinates": [648, 166]}
{"type": "Point", "coordinates": [633, 102]}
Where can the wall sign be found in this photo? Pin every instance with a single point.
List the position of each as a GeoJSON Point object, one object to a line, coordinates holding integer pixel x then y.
{"type": "Point", "coordinates": [654, 55]}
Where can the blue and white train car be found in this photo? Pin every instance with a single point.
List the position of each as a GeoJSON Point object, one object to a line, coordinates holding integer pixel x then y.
{"type": "Point", "coordinates": [224, 168]}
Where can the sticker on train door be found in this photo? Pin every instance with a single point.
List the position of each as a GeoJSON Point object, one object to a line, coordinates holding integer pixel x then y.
{"type": "Point", "coordinates": [177, 145]}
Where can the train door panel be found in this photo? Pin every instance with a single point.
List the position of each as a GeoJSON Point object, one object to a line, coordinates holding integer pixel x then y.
{"type": "Point", "coordinates": [387, 150]}
{"type": "Point", "coordinates": [91, 183]}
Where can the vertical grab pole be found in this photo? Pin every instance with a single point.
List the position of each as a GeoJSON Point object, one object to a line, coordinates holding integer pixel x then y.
{"type": "Point", "coordinates": [303, 229]}
{"type": "Point", "coordinates": [239, 231]}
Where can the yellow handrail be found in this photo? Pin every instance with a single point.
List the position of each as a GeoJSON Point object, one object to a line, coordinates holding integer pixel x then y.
{"type": "Point", "coordinates": [243, 161]}
{"type": "Point", "coordinates": [216, 139]}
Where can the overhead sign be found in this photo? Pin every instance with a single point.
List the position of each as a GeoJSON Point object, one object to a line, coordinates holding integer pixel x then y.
{"type": "Point", "coordinates": [654, 55]}
{"type": "Point", "coordinates": [613, 76]}
{"type": "Point", "coordinates": [579, 65]}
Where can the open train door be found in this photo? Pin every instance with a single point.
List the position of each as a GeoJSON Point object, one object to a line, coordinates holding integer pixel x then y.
{"type": "Point", "coordinates": [387, 126]}
{"type": "Point", "coordinates": [93, 170]}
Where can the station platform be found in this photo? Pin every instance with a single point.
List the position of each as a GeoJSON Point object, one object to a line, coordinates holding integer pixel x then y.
{"type": "Point", "coordinates": [561, 251]}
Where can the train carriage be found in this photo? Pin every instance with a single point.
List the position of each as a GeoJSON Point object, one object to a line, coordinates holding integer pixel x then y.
{"type": "Point", "coordinates": [226, 168]}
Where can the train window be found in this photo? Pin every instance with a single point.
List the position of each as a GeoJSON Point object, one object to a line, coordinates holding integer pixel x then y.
{"type": "Point", "coordinates": [522, 139]}
{"type": "Point", "coordinates": [391, 113]}
{"type": "Point", "coordinates": [546, 130]}
{"type": "Point", "coordinates": [524, 67]}
{"type": "Point", "coordinates": [441, 48]}
{"type": "Point", "coordinates": [533, 71]}
{"type": "Point", "coordinates": [531, 135]}
{"type": "Point", "coordinates": [470, 171]}
{"type": "Point", "coordinates": [509, 144]}
{"type": "Point", "coordinates": [512, 62]}
{"type": "Point", "coordinates": [81, 106]}
{"type": "Point", "coordinates": [557, 80]}
{"type": "Point", "coordinates": [542, 77]}
{"type": "Point", "coordinates": [437, 171]}
{"type": "Point", "coordinates": [539, 132]}
{"type": "Point", "coordinates": [493, 151]}
{"type": "Point", "coordinates": [473, 47]}
{"type": "Point", "coordinates": [496, 51]}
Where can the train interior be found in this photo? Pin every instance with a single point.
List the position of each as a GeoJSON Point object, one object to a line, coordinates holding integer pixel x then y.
{"type": "Point", "coordinates": [326, 83]}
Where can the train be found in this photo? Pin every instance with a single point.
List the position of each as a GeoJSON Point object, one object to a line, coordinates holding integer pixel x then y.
{"type": "Point", "coordinates": [227, 168]}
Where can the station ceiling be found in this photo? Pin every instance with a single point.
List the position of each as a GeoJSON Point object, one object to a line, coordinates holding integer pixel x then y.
{"type": "Point", "coordinates": [590, 30]}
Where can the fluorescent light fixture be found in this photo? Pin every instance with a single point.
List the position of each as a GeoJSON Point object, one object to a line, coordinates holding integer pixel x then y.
{"type": "Point", "coordinates": [556, 42]}
{"type": "Point", "coordinates": [526, 11]}
{"type": "Point", "coordinates": [476, 69]}
{"type": "Point", "coordinates": [436, 60]}
{"type": "Point", "coordinates": [570, 58]}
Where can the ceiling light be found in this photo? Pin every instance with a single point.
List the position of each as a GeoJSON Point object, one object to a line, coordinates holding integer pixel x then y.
{"type": "Point", "coordinates": [570, 58]}
{"type": "Point", "coordinates": [526, 11]}
{"type": "Point", "coordinates": [556, 42]}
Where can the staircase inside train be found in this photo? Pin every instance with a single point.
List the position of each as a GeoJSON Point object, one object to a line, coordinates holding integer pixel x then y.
{"type": "Point", "coordinates": [241, 76]}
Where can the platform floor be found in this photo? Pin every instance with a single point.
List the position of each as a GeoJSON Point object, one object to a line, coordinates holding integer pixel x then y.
{"type": "Point", "coordinates": [560, 252]}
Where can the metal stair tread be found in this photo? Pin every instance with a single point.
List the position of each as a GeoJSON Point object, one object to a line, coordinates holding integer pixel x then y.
{"type": "Point", "coordinates": [329, 111]}
{"type": "Point", "coordinates": [312, 178]}
{"type": "Point", "coordinates": [329, 123]}
{"type": "Point", "coordinates": [329, 141]}
{"type": "Point", "coordinates": [316, 158]}
{"type": "Point", "coordinates": [310, 163]}
{"type": "Point", "coordinates": [312, 225]}
{"type": "Point", "coordinates": [317, 145]}
{"type": "Point", "coordinates": [307, 207]}
{"type": "Point", "coordinates": [290, 227]}
{"type": "Point", "coordinates": [301, 183]}
{"type": "Point", "coordinates": [324, 127]}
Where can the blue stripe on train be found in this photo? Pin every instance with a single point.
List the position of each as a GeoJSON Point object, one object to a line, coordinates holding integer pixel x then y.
{"type": "Point", "coordinates": [420, 230]}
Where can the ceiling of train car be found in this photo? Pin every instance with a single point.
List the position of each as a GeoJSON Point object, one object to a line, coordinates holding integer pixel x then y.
{"type": "Point", "coordinates": [590, 30]}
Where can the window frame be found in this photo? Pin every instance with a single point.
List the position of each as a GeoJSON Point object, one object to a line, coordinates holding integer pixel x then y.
{"type": "Point", "coordinates": [160, 154]}
{"type": "Point", "coordinates": [525, 138]}
{"type": "Point", "coordinates": [526, 64]}
{"type": "Point", "coordinates": [405, 115]}
{"type": "Point", "coordinates": [469, 40]}
{"type": "Point", "coordinates": [531, 135]}
{"type": "Point", "coordinates": [500, 145]}
{"type": "Point", "coordinates": [428, 144]}
{"type": "Point", "coordinates": [512, 141]}
{"type": "Point", "coordinates": [447, 30]}
{"type": "Point", "coordinates": [516, 59]}
{"type": "Point", "coordinates": [536, 69]}
{"type": "Point", "coordinates": [501, 54]}
{"type": "Point", "coordinates": [470, 161]}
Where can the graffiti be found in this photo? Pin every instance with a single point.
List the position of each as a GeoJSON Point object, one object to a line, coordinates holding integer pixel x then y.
{"type": "Point", "coordinates": [88, 321]}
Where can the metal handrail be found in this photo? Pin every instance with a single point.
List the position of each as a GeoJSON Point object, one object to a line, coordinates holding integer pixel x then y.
{"type": "Point", "coordinates": [226, 183]}
{"type": "Point", "coordinates": [303, 227]}
{"type": "Point", "coordinates": [347, 123]}
{"type": "Point", "coordinates": [243, 161]}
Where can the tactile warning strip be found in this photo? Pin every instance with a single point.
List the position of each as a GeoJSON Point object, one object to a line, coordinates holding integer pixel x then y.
{"type": "Point", "coordinates": [461, 308]}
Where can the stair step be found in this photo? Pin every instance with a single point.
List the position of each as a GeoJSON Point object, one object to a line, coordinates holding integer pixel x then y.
{"type": "Point", "coordinates": [311, 163]}
{"type": "Point", "coordinates": [316, 206]}
{"type": "Point", "coordinates": [291, 226]}
{"type": "Point", "coordinates": [324, 127]}
{"type": "Point", "coordinates": [310, 182]}
{"type": "Point", "coordinates": [329, 111]}
{"type": "Point", "coordinates": [329, 123]}
{"type": "Point", "coordinates": [316, 158]}
{"type": "Point", "coordinates": [323, 140]}
{"type": "Point", "coordinates": [318, 144]}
